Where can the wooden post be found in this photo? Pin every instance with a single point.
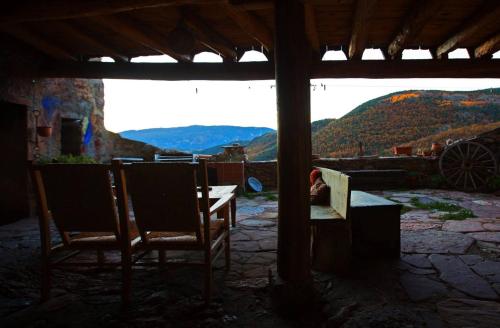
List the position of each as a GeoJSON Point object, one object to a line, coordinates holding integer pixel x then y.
{"type": "Point", "coordinates": [292, 63]}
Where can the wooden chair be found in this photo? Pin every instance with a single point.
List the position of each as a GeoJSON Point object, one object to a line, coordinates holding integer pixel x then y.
{"type": "Point", "coordinates": [79, 199]}
{"type": "Point", "coordinates": [167, 210]}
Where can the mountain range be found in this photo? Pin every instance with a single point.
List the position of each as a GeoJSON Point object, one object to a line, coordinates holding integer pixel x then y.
{"type": "Point", "coordinates": [195, 138]}
{"type": "Point", "coordinates": [415, 118]}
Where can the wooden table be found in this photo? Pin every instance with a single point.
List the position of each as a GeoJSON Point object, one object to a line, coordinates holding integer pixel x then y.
{"type": "Point", "coordinates": [217, 192]}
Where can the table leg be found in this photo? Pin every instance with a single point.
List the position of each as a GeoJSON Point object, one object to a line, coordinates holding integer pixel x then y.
{"type": "Point", "coordinates": [233, 211]}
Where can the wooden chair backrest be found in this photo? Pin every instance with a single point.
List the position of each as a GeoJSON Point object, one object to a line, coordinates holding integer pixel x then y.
{"type": "Point", "coordinates": [340, 190]}
{"type": "Point", "coordinates": [164, 196]}
{"type": "Point", "coordinates": [79, 196]}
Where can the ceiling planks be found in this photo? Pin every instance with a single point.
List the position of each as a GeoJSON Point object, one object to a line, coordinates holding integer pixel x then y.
{"type": "Point", "coordinates": [146, 37]}
{"type": "Point", "coordinates": [252, 25]}
{"type": "Point", "coordinates": [311, 28]}
{"type": "Point", "coordinates": [488, 15]}
{"type": "Point", "coordinates": [208, 36]}
{"type": "Point", "coordinates": [360, 24]}
{"type": "Point", "coordinates": [413, 23]}
{"type": "Point", "coordinates": [40, 43]}
{"type": "Point", "coordinates": [35, 10]}
{"type": "Point", "coordinates": [88, 42]}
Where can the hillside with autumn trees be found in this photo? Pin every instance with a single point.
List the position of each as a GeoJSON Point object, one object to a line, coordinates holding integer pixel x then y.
{"type": "Point", "coordinates": [417, 118]}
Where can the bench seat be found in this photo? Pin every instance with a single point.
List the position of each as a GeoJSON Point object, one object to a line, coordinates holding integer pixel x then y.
{"type": "Point", "coordinates": [323, 212]}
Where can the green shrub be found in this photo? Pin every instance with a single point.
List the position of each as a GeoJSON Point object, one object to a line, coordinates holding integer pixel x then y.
{"type": "Point", "coordinates": [69, 159]}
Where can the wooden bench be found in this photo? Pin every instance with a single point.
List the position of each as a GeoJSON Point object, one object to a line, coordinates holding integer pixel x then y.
{"type": "Point", "coordinates": [330, 226]}
{"type": "Point", "coordinates": [355, 222]}
{"type": "Point", "coordinates": [375, 224]}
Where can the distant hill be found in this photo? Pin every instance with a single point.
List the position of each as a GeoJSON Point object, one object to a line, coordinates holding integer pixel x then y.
{"type": "Point", "coordinates": [195, 137]}
{"type": "Point", "coordinates": [409, 117]}
{"type": "Point", "coordinates": [264, 148]}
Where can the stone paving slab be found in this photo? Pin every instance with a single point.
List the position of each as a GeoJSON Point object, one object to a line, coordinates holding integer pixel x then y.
{"type": "Point", "coordinates": [435, 242]}
{"type": "Point", "coordinates": [493, 237]}
{"type": "Point", "coordinates": [456, 273]}
{"type": "Point", "coordinates": [463, 226]}
{"type": "Point", "coordinates": [421, 288]}
{"type": "Point", "coordinates": [470, 313]}
{"type": "Point", "coordinates": [417, 260]}
{"type": "Point", "coordinates": [487, 268]}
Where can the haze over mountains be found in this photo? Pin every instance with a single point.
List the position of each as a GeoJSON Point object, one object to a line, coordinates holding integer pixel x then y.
{"type": "Point", "coordinates": [415, 118]}
{"type": "Point", "coordinates": [195, 138]}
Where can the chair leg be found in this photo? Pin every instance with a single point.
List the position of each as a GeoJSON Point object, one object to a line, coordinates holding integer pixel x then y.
{"type": "Point", "coordinates": [45, 281]}
{"type": "Point", "coordinates": [208, 277]}
{"type": "Point", "coordinates": [227, 246]}
{"type": "Point", "coordinates": [233, 212]}
{"type": "Point", "coordinates": [126, 279]}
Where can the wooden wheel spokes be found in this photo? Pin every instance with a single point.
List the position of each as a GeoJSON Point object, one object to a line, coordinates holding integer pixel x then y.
{"type": "Point", "coordinates": [467, 165]}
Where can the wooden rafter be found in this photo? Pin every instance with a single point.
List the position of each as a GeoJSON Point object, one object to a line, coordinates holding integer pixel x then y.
{"type": "Point", "coordinates": [488, 15]}
{"type": "Point", "coordinates": [35, 10]}
{"type": "Point", "coordinates": [134, 31]}
{"type": "Point", "coordinates": [81, 37]}
{"type": "Point", "coordinates": [252, 25]}
{"type": "Point", "coordinates": [360, 25]}
{"type": "Point", "coordinates": [311, 29]}
{"type": "Point", "coordinates": [413, 24]}
{"type": "Point", "coordinates": [208, 36]}
{"type": "Point", "coordinates": [39, 43]}
{"type": "Point", "coordinates": [488, 47]}
{"type": "Point", "coordinates": [456, 68]}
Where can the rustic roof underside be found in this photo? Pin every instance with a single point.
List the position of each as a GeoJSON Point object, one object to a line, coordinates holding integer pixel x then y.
{"type": "Point", "coordinates": [78, 30]}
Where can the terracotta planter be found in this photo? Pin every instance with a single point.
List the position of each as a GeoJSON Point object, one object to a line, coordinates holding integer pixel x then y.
{"type": "Point", "coordinates": [402, 150]}
{"type": "Point", "coordinates": [44, 131]}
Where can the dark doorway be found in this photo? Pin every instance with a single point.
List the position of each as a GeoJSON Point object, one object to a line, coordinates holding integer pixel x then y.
{"type": "Point", "coordinates": [14, 203]}
{"type": "Point", "coordinates": [71, 136]}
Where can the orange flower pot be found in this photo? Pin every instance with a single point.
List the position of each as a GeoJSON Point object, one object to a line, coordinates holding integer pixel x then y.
{"type": "Point", "coordinates": [44, 131]}
{"type": "Point", "coordinates": [402, 150]}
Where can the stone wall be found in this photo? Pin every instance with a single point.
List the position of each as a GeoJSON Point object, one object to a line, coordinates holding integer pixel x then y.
{"type": "Point", "coordinates": [420, 170]}
{"type": "Point", "coordinates": [265, 172]}
{"type": "Point", "coordinates": [79, 99]}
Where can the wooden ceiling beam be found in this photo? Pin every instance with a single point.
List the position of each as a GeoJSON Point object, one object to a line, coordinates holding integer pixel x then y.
{"type": "Point", "coordinates": [488, 15]}
{"type": "Point", "coordinates": [311, 28]}
{"type": "Point", "coordinates": [39, 43]}
{"type": "Point", "coordinates": [360, 25]}
{"type": "Point", "coordinates": [208, 36]}
{"type": "Point", "coordinates": [134, 31]}
{"type": "Point", "coordinates": [457, 68]}
{"type": "Point", "coordinates": [488, 48]}
{"type": "Point", "coordinates": [35, 10]}
{"type": "Point", "coordinates": [419, 15]}
{"type": "Point", "coordinates": [81, 37]}
{"type": "Point", "coordinates": [252, 25]}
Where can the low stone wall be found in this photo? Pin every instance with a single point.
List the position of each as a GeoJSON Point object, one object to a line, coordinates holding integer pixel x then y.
{"type": "Point", "coordinates": [420, 169]}
{"type": "Point", "coordinates": [265, 172]}
{"type": "Point", "coordinates": [424, 165]}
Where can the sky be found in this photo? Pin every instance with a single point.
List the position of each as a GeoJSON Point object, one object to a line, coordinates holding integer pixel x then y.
{"type": "Point", "coordinates": [142, 104]}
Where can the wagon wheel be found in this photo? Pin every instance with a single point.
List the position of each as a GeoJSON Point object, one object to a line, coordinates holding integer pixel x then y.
{"type": "Point", "coordinates": [468, 165]}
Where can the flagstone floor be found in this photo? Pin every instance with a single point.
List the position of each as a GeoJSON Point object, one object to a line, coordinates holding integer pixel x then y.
{"type": "Point", "coordinates": [448, 275]}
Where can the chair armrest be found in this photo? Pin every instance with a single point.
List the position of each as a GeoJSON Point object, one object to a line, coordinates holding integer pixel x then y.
{"type": "Point", "coordinates": [222, 202]}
